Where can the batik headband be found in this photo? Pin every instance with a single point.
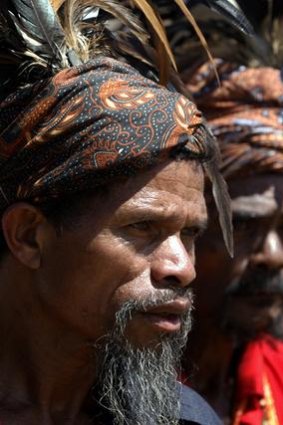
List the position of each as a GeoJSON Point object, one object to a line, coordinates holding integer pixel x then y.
{"type": "Point", "coordinates": [87, 125]}
{"type": "Point", "coordinates": [245, 114]}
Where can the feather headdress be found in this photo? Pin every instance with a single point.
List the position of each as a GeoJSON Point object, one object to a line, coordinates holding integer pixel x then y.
{"type": "Point", "coordinates": [40, 37]}
{"type": "Point", "coordinates": [229, 37]}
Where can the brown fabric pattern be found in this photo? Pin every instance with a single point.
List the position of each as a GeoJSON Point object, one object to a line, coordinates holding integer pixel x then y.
{"type": "Point", "coordinates": [245, 114]}
{"type": "Point", "coordinates": [88, 125]}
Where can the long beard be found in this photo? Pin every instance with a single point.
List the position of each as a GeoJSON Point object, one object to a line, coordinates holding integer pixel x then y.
{"type": "Point", "coordinates": [139, 386]}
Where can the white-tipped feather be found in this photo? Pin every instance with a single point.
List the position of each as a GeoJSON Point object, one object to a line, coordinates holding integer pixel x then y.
{"type": "Point", "coordinates": [54, 34]}
{"type": "Point", "coordinates": [82, 31]}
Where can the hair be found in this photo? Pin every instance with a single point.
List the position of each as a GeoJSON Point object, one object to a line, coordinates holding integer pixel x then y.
{"type": "Point", "coordinates": [64, 213]}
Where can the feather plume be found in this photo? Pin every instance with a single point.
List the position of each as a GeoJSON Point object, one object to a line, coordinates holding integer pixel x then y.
{"type": "Point", "coordinates": [221, 198]}
{"type": "Point", "coordinates": [231, 10]}
{"type": "Point", "coordinates": [157, 27]}
{"type": "Point", "coordinates": [40, 37]}
{"type": "Point", "coordinates": [36, 23]}
{"type": "Point", "coordinates": [37, 40]}
{"type": "Point", "coordinates": [223, 204]}
{"type": "Point", "coordinates": [198, 31]}
{"type": "Point", "coordinates": [87, 34]}
{"type": "Point", "coordinates": [261, 46]}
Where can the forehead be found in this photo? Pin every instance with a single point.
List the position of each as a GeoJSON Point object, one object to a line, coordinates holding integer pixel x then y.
{"type": "Point", "coordinates": [260, 195]}
{"type": "Point", "coordinates": [181, 178]}
{"type": "Point", "coordinates": [257, 184]}
{"type": "Point", "coordinates": [178, 186]}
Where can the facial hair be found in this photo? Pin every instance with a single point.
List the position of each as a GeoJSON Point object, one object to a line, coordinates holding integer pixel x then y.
{"type": "Point", "coordinates": [139, 386]}
{"type": "Point", "coordinates": [257, 294]}
{"type": "Point", "coordinates": [257, 281]}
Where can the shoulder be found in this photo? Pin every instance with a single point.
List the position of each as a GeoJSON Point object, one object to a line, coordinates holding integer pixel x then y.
{"type": "Point", "coordinates": [195, 410]}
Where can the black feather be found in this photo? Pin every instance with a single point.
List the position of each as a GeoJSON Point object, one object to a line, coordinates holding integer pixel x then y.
{"type": "Point", "coordinates": [36, 25]}
{"type": "Point", "coordinates": [231, 11]}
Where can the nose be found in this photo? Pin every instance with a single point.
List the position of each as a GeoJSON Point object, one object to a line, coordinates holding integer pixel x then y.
{"type": "Point", "coordinates": [172, 264]}
{"type": "Point", "coordinates": [271, 253]}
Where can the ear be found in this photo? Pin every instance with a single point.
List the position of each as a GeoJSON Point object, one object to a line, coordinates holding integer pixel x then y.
{"type": "Point", "coordinates": [25, 230]}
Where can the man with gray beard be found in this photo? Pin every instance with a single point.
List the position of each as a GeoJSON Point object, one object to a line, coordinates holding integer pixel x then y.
{"type": "Point", "coordinates": [101, 202]}
{"type": "Point", "coordinates": [108, 313]}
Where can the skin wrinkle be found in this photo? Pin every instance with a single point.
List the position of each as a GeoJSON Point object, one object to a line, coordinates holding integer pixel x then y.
{"type": "Point", "coordinates": [81, 279]}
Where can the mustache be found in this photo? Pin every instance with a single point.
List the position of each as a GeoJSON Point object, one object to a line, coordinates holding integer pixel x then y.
{"type": "Point", "coordinates": [255, 282]}
{"type": "Point", "coordinates": [129, 308]}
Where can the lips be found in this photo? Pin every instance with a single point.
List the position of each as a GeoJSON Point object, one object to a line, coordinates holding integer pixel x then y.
{"type": "Point", "coordinates": [168, 316]}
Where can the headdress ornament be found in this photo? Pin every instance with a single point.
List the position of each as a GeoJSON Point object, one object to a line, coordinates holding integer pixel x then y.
{"type": "Point", "coordinates": [75, 112]}
{"type": "Point", "coordinates": [245, 111]}
{"type": "Point", "coordinates": [245, 114]}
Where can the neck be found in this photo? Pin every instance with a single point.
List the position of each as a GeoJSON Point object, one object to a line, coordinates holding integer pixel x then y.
{"type": "Point", "coordinates": [42, 364]}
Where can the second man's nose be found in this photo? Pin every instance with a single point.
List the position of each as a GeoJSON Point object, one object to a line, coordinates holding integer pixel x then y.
{"type": "Point", "coordinates": [271, 253]}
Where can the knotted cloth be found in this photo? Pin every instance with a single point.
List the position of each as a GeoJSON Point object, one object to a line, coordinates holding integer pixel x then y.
{"type": "Point", "coordinates": [245, 114]}
{"type": "Point", "coordinates": [88, 125]}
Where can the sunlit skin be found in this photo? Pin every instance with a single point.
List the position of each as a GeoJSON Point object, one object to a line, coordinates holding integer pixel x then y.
{"type": "Point", "coordinates": [60, 293]}
{"type": "Point", "coordinates": [257, 204]}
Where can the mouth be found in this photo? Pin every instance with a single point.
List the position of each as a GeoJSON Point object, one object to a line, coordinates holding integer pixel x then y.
{"type": "Point", "coordinates": [168, 317]}
{"type": "Point", "coordinates": [257, 299]}
{"type": "Point", "coordinates": [253, 285]}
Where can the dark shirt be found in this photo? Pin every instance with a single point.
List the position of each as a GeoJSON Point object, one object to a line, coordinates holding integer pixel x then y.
{"type": "Point", "coordinates": [195, 410]}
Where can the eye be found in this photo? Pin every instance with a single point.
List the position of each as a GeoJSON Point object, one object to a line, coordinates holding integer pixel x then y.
{"type": "Point", "coordinates": [248, 224]}
{"type": "Point", "coordinates": [191, 232]}
{"type": "Point", "coordinates": [141, 226]}
{"type": "Point", "coordinates": [241, 224]}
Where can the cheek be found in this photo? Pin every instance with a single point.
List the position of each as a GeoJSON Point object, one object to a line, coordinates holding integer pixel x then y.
{"type": "Point", "coordinates": [85, 287]}
{"type": "Point", "coordinates": [246, 241]}
{"type": "Point", "coordinates": [214, 274]}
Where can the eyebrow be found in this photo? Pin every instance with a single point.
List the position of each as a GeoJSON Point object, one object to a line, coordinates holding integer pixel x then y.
{"type": "Point", "coordinates": [255, 206]}
{"type": "Point", "coordinates": [163, 214]}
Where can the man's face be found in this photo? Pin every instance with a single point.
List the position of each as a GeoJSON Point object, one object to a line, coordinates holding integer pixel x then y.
{"type": "Point", "coordinates": [250, 286]}
{"type": "Point", "coordinates": [136, 243]}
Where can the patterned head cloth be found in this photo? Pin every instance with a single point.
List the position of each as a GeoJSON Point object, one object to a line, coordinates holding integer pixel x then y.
{"type": "Point", "coordinates": [246, 116]}
{"type": "Point", "coordinates": [87, 125]}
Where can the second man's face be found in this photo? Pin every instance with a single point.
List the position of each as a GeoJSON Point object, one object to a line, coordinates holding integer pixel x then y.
{"type": "Point", "coordinates": [252, 283]}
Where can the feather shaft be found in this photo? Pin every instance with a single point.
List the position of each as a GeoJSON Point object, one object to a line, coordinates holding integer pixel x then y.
{"type": "Point", "coordinates": [157, 27]}
{"type": "Point", "coordinates": [199, 33]}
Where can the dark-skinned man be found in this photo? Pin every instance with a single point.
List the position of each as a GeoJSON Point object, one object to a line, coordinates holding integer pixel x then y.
{"type": "Point", "coordinates": [237, 345]}
{"type": "Point", "coordinates": [101, 199]}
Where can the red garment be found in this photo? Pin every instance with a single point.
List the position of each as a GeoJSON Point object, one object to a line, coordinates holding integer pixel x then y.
{"type": "Point", "coordinates": [259, 393]}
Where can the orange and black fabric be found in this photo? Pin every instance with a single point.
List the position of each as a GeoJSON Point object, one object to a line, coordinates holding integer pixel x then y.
{"type": "Point", "coordinates": [245, 113]}
{"type": "Point", "coordinates": [88, 125]}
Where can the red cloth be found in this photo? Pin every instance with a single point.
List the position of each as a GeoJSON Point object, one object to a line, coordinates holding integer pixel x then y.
{"type": "Point", "coordinates": [259, 393]}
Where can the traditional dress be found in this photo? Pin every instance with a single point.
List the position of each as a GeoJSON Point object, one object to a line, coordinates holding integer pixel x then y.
{"type": "Point", "coordinates": [259, 383]}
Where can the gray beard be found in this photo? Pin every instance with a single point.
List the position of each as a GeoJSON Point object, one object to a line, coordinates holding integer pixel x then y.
{"type": "Point", "coordinates": [139, 386]}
